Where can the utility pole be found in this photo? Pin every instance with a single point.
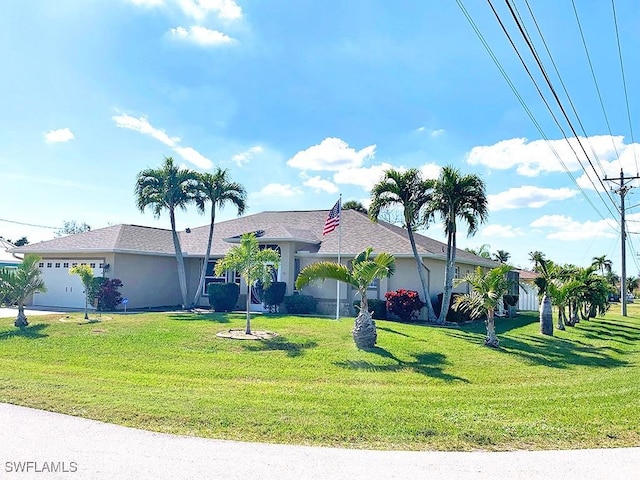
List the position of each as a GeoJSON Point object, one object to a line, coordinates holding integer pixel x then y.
{"type": "Point", "coordinates": [622, 191]}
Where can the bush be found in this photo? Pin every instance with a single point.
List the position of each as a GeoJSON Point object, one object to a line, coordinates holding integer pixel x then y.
{"type": "Point", "coordinates": [405, 304]}
{"type": "Point", "coordinates": [108, 295]}
{"type": "Point", "coordinates": [223, 296]}
{"type": "Point", "coordinates": [273, 295]}
{"type": "Point", "coordinates": [378, 307]}
{"type": "Point", "coordinates": [297, 304]}
{"type": "Point", "coordinates": [454, 316]}
{"type": "Point", "coordinates": [94, 289]}
{"type": "Point", "coordinates": [511, 300]}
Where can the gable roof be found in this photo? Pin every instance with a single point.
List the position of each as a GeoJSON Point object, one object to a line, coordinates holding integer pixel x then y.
{"type": "Point", "coordinates": [7, 258]}
{"type": "Point", "coordinates": [356, 233]}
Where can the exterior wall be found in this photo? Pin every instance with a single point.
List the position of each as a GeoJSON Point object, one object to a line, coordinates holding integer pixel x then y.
{"type": "Point", "coordinates": [528, 297]}
{"type": "Point", "coordinates": [147, 280]}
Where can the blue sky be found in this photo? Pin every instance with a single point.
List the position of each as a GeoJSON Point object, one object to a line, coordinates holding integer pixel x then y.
{"type": "Point", "coordinates": [303, 100]}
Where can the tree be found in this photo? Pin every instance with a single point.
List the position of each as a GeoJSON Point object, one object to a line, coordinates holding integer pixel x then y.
{"type": "Point", "coordinates": [632, 284]}
{"type": "Point", "coordinates": [217, 189]}
{"type": "Point", "coordinates": [487, 289]}
{"type": "Point", "coordinates": [501, 256]}
{"type": "Point", "coordinates": [456, 196]}
{"type": "Point", "coordinates": [71, 228]}
{"type": "Point", "coordinates": [411, 192]}
{"type": "Point", "coordinates": [252, 263]}
{"type": "Point", "coordinates": [17, 284]}
{"type": "Point", "coordinates": [603, 264]}
{"type": "Point", "coordinates": [85, 272]}
{"type": "Point", "coordinates": [545, 268]}
{"type": "Point", "coordinates": [481, 251]}
{"type": "Point", "coordinates": [364, 269]}
{"type": "Point", "coordinates": [354, 205]}
{"type": "Point", "coordinates": [168, 188]}
{"type": "Point", "coordinates": [20, 242]}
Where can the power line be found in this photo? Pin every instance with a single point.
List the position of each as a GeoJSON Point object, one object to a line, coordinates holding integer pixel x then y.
{"type": "Point", "coordinates": [28, 224]}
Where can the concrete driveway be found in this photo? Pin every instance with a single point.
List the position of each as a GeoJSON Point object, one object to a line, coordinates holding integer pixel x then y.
{"type": "Point", "coordinates": [12, 312]}
{"type": "Point", "coordinates": [35, 442]}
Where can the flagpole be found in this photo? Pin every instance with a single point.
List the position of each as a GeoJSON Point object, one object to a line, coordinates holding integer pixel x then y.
{"type": "Point", "coordinates": [339, 241]}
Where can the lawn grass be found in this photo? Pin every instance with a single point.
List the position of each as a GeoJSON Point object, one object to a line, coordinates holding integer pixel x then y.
{"type": "Point", "coordinates": [422, 388]}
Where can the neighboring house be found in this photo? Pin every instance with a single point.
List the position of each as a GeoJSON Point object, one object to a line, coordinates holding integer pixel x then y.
{"type": "Point", "coordinates": [8, 259]}
{"type": "Point", "coordinates": [528, 293]}
{"type": "Point", "coordinates": [143, 258]}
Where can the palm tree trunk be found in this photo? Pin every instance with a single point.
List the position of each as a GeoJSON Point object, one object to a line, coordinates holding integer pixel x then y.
{"type": "Point", "coordinates": [546, 316]}
{"type": "Point", "coordinates": [561, 317]}
{"type": "Point", "coordinates": [207, 256]}
{"type": "Point", "coordinates": [431, 316]}
{"type": "Point", "coordinates": [492, 339]}
{"type": "Point", "coordinates": [21, 320]}
{"type": "Point", "coordinates": [247, 329]}
{"type": "Point", "coordinates": [364, 330]}
{"type": "Point", "coordinates": [182, 276]}
{"type": "Point", "coordinates": [450, 268]}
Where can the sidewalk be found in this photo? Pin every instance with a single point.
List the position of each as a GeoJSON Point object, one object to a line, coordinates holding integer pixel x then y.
{"type": "Point", "coordinates": [78, 448]}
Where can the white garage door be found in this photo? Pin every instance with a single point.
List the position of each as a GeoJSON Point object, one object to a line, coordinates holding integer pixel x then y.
{"type": "Point", "coordinates": [63, 290]}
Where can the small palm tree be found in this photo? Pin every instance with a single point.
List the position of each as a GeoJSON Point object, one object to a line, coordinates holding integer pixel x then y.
{"type": "Point", "coordinates": [487, 289]}
{"type": "Point", "coordinates": [217, 189]}
{"type": "Point", "coordinates": [16, 285]}
{"type": "Point", "coordinates": [501, 256]}
{"type": "Point", "coordinates": [252, 263]}
{"type": "Point", "coordinates": [411, 192]}
{"type": "Point", "coordinates": [168, 188]}
{"type": "Point", "coordinates": [364, 270]}
{"type": "Point", "coordinates": [456, 196]}
{"type": "Point", "coordinates": [85, 272]}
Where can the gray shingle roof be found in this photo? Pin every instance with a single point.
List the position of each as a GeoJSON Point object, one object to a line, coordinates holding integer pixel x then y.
{"type": "Point", "coordinates": [304, 227]}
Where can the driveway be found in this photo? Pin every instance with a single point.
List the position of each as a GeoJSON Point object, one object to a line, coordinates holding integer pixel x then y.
{"type": "Point", "coordinates": [40, 441]}
{"type": "Point", "coordinates": [12, 312]}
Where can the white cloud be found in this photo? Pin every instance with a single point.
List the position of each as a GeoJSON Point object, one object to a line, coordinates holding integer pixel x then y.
{"type": "Point", "coordinates": [535, 157]}
{"type": "Point", "coordinates": [321, 185]}
{"type": "Point", "coordinates": [437, 133]}
{"type": "Point", "coordinates": [202, 36]}
{"type": "Point", "coordinates": [364, 177]}
{"type": "Point", "coordinates": [528, 196]}
{"type": "Point", "coordinates": [278, 190]}
{"type": "Point", "coordinates": [501, 231]}
{"type": "Point", "coordinates": [244, 157]}
{"type": "Point", "coordinates": [562, 227]}
{"type": "Point", "coordinates": [430, 170]}
{"type": "Point", "coordinates": [332, 154]}
{"type": "Point", "coordinates": [192, 155]}
{"type": "Point", "coordinates": [147, 3]}
{"type": "Point", "coordinates": [143, 126]}
{"type": "Point", "coordinates": [199, 9]}
{"type": "Point", "coordinates": [58, 136]}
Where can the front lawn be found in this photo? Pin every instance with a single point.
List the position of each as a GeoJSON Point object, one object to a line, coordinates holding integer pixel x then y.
{"type": "Point", "coordinates": [422, 388]}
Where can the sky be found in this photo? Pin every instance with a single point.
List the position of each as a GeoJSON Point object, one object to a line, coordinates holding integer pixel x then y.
{"type": "Point", "coordinates": [305, 100]}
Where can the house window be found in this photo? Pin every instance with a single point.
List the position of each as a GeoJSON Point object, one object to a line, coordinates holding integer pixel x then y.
{"type": "Point", "coordinates": [74, 264]}
{"type": "Point", "coordinates": [101, 265]}
{"type": "Point", "coordinates": [374, 285]}
{"type": "Point", "coordinates": [49, 264]}
{"type": "Point", "coordinates": [65, 265]}
{"type": "Point", "coordinates": [41, 265]}
{"type": "Point", "coordinates": [457, 272]}
{"type": "Point", "coordinates": [92, 265]}
{"type": "Point", "coordinates": [210, 276]}
{"type": "Point", "coordinates": [57, 264]}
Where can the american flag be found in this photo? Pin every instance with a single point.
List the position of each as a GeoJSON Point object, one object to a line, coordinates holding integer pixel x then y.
{"type": "Point", "coordinates": [333, 219]}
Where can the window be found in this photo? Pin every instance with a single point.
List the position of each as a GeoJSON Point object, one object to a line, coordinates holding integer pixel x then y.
{"type": "Point", "coordinates": [92, 265]}
{"type": "Point", "coordinates": [210, 276]}
{"type": "Point", "coordinates": [41, 265]}
{"type": "Point", "coordinates": [457, 273]}
{"type": "Point", "coordinates": [101, 265]}
{"type": "Point", "coordinates": [57, 264]}
{"type": "Point", "coordinates": [49, 264]}
{"type": "Point", "coordinates": [65, 265]}
{"type": "Point", "coordinates": [374, 285]}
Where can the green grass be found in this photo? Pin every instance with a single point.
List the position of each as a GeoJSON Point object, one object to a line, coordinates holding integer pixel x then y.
{"type": "Point", "coordinates": [422, 388]}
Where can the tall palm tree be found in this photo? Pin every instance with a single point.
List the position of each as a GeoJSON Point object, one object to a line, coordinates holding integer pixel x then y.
{"type": "Point", "coordinates": [501, 256]}
{"type": "Point", "coordinates": [364, 269]}
{"type": "Point", "coordinates": [168, 188]}
{"type": "Point", "coordinates": [603, 264]}
{"type": "Point", "coordinates": [456, 196]}
{"type": "Point", "coordinates": [252, 263]}
{"type": "Point", "coordinates": [217, 189]}
{"type": "Point", "coordinates": [546, 270]}
{"type": "Point", "coordinates": [411, 192]}
{"type": "Point", "coordinates": [487, 289]}
{"type": "Point", "coordinates": [17, 284]}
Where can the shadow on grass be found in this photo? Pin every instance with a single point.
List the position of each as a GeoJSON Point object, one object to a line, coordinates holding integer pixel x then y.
{"type": "Point", "coordinates": [31, 331]}
{"type": "Point", "coordinates": [599, 329]}
{"type": "Point", "coordinates": [428, 364]}
{"type": "Point", "coordinates": [291, 348]}
{"type": "Point", "coordinates": [209, 317]}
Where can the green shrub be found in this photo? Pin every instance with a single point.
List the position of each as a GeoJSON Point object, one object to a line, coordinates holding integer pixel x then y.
{"type": "Point", "coordinates": [223, 296]}
{"type": "Point", "coordinates": [378, 307]}
{"type": "Point", "coordinates": [297, 304]}
{"type": "Point", "coordinates": [273, 295]}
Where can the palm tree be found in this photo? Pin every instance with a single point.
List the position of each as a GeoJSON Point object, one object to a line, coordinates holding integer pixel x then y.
{"type": "Point", "coordinates": [217, 189]}
{"type": "Point", "coordinates": [354, 205]}
{"type": "Point", "coordinates": [481, 251]}
{"type": "Point", "coordinates": [501, 256]}
{"type": "Point", "coordinates": [487, 290]}
{"type": "Point", "coordinates": [409, 191]}
{"type": "Point", "coordinates": [603, 264]}
{"type": "Point", "coordinates": [364, 270]}
{"type": "Point", "coordinates": [85, 272]}
{"type": "Point", "coordinates": [456, 196]}
{"type": "Point", "coordinates": [545, 268]}
{"type": "Point", "coordinates": [252, 263]}
{"type": "Point", "coordinates": [17, 284]}
{"type": "Point", "coordinates": [168, 188]}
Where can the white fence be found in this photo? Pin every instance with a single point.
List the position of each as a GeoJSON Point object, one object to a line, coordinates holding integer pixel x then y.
{"type": "Point", "coordinates": [528, 297]}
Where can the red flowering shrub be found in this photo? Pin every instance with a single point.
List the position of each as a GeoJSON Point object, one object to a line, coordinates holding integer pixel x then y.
{"type": "Point", "coordinates": [405, 304]}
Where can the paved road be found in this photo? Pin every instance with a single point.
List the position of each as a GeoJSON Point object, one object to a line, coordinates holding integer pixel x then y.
{"type": "Point", "coordinates": [87, 449]}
